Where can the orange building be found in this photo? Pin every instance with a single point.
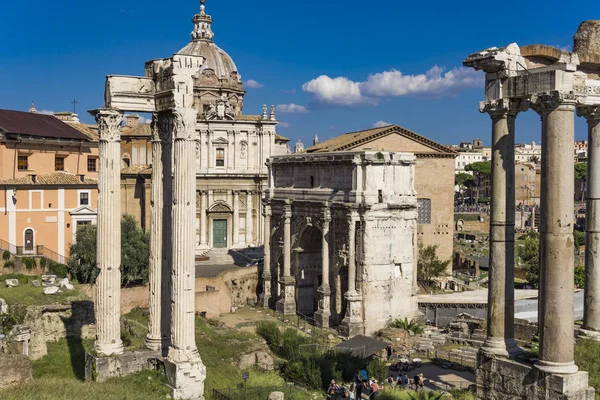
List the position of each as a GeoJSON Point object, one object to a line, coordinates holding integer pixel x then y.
{"type": "Point", "coordinates": [48, 182]}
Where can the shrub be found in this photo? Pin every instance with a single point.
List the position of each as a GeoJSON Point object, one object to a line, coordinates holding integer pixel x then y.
{"type": "Point", "coordinates": [378, 370]}
{"type": "Point", "coordinates": [6, 255]}
{"type": "Point", "coordinates": [9, 264]}
{"type": "Point", "coordinates": [29, 263]}
{"type": "Point", "coordinates": [291, 342]}
{"type": "Point", "coordinates": [59, 270]}
{"type": "Point", "coordinates": [271, 333]}
{"type": "Point", "coordinates": [408, 326]}
{"type": "Point", "coordinates": [44, 262]}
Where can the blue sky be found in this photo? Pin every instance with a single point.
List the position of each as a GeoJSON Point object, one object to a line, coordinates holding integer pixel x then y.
{"type": "Point", "coordinates": [330, 66]}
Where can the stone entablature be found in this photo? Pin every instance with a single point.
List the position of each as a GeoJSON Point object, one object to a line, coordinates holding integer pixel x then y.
{"type": "Point", "coordinates": [340, 238]}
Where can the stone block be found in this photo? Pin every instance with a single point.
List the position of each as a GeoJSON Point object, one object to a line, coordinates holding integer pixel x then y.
{"type": "Point", "coordinates": [15, 369]}
{"type": "Point", "coordinates": [100, 369]}
{"type": "Point", "coordinates": [36, 283]}
{"type": "Point", "coordinates": [3, 306]}
{"type": "Point", "coordinates": [186, 380]}
{"type": "Point", "coordinates": [51, 290]}
{"type": "Point", "coordinates": [11, 282]}
{"type": "Point", "coordinates": [276, 396]}
{"type": "Point", "coordinates": [566, 384]}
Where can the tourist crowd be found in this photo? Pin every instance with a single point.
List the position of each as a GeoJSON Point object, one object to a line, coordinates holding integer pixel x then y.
{"type": "Point", "coordinates": [364, 387]}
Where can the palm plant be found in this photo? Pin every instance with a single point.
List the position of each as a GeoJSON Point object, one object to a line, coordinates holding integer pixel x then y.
{"type": "Point", "coordinates": [408, 326]}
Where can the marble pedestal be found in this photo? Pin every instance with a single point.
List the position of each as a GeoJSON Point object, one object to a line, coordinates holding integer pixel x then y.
{"type": "Point", "coordinates": [353, 324]}
{"type": "Point", "coordinates": [99, 368]}
{"type": "Point", "coordinates": [287, 304]}
{"type": "Point", "coordinates": [323, 315]}
{"type": "Point", "coordinates": [186, 379]}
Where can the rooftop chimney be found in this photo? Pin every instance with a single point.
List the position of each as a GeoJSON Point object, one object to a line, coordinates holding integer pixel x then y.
{"type": "Point", "coordinates": [82, 178]}
{"type": "Point", "coordinates": [33, 178]}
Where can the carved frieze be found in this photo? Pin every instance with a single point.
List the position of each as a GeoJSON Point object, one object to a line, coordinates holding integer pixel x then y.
{"type": "Point", "coordinates": [184, 124]}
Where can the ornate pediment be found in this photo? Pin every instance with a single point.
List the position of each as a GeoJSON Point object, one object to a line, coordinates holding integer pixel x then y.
{"type": "Point", "coordinates": [220, 140]}
{"type": "Point", "coordinates": [220, 207]}
{"type": "Point", "coordinates": [221, 110]}
{"type": "Point", "coordinates": [84, 210]}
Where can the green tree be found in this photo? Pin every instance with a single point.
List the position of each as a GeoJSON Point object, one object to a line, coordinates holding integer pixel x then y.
{"type": "Point", "coordinates": [135, 253]}
{"type": "Point", "coordinates": [481, 170]}
{"type": "Point", "coordinates": [581, 174]}
{"type": "Point", "coordinates": [578, 238]}
{"type": "Point", "coordinates": [429, 266]}
{"type": "Point", "coordinates": [529, 254]}
{"type": "Point", "coordinates": [463, 181]}
{"type": "Point", "coordinates": [580, 277]}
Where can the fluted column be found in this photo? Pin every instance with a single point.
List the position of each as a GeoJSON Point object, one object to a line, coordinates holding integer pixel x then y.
{"type": "Point", "coordinates": [183, 344]}
{"type": "Point", "coordinates": [287, 304]}
{"type": "Point", "coordinates": [249, 219]}
{"type": "Point", "coordinates": [165, 130]}
{"type": "Point", "coordinates": [108, 250]}
{"type": "Point", "coordinates": [353, 323]}
{"type": "Point", "coordinates": [266, 296]}
{"type": "Point", "coordinates": [203, 228]}
{"type": "Point", "coordinates": [236, 218]}
{"type": "Point", "coordinates": [556, 233]}
{"type": "Point", "coordinates": [154, 338]}
{"type": "Point", "coordinates": [323, 314]}
{"type": "Point", "coordinates": [591, 311]}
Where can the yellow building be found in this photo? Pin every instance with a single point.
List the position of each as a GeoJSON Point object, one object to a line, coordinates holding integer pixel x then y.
{"type": "Point", "coordinates": [48, 183]}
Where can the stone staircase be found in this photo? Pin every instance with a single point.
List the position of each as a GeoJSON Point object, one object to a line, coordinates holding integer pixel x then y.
{"type": "Point", "coordinates": [217, 257]}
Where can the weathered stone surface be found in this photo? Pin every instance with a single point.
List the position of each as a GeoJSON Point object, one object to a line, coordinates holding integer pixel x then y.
{"type": "Point", "coordinates": [68, 286]}
{"type": "Point", "coordinates": [11, 282]}
{"type": "Point", "coordinates": [15, 369]}
{"type": "Point", "coordinates": [100, 369]}
{"type": "Point", "coordinates": [63, 282]}
{"type": "Point", "coordinates": [36, 283]}
{"type": "Point", "coordinates": [260, 359]}
{"type": "Point", "coordinates": [587, 38]}
{"type": "Point", "coordinates": [276, 396]}
{"type": "Point", "coordinates": [186, 379]}
{"type": "Point", "coordinates": [48, 280]}
{"type": "Point", "coordinates": [3, 306]}
{"type": "Point", "coordinates": [51, 290]}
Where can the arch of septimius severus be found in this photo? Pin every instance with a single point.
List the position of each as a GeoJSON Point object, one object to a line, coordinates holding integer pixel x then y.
{"type": "Point", "coordinates": [557, 85]}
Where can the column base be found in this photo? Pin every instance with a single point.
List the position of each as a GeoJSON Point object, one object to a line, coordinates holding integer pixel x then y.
{"type": "Point", "coordinates": [550, 367]}
{"type": "Point", "coordinates": [186, 379]}
{"type": "Point", "coordinates": [264, 299]}
{"type": "Point", "coordinates": [153, 343]}
{"type": "Point", "coordinates": [109, 349]}
{"type": "Point", "coordinates": [493, 347]}
{"type": "Point", "coordinates": [287, 304]}
{"type": "Point", "coordinates": [101, 368]}
{"type": "Point", "coordinates": [353, 323]}
{"type": "Point", "coordinates": [323, 314]}
{"type": "Point", "coordinates": [322, 318]}
{"type": "Point", "coordinates": [588, 334]}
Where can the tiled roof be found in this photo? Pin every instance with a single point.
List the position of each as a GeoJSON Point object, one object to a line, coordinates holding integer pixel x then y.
{"type": "Point", "coordinates": [38, 125]}
{"type": "Point", "coordinates": [350, 140]}
{"type": "Point", "coordinates": [139, 130]}
{"type": "Point", "coordinates": [91, 131]}
{"type": "Point", "coordinates": [282, 138]}
{"type": "Point", "coordinates": [249, 117]}
{"type": "Point", "coordinates": [55, 178]}
{"type": "Point", "coordinates": [137, 169]}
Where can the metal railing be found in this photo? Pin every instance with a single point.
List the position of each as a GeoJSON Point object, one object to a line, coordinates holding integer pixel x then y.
{"type": "Point", "coordinates": [452, 357]}
{"type": "Point", "coordinates": [38, 250]}
{"type": "Point", "coordinates": [4, 245]}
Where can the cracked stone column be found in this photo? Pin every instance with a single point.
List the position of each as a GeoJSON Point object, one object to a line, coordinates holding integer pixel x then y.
{"type": "Point", "coordinates": [154, 339]}
{"type": "Point", "coordinates": [183, 365]}
{"type": "Point", "coordinates": [556, 233]}
{"type": "Point", "coordinates": [591, 311]}
{"type": "Point", "coordinates": [249, 239]}
{"type": "Point", "coordinates": [353, 323]}
{"type": "Point", "coordinates": [266, 295]}
{"type": "Point", "coordinates": [108, 251]}
{"type": "Point", "coordinates": [500, 321]}
{"type": "Point", "coordinates": [287, 303]}
{"type": "Point", "coordinates": [323, 314]}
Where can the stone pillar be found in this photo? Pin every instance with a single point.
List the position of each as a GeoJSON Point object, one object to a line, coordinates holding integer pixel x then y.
{"type": "Point", "coordinates": [502, 230]}
{"type": "Point", "coordinates": [287, 303]}
{"type": "Point", "coordinates": [591, 311]}
{"type": "Point", "coordinates": [203, 228]}
{"type": "Point", "coordinates": [236, 218]}
{"type": "Point", "coordinates": [556, 234]}
{"type": "Point", "coordinates": [323, 314]}
{"type": "Point", "coordinates": [154, 339]}
{"type": "Point", "coordinates": [266, 295]}
{"type": "Point", "coordinates": [353, 323]}
{"type": "Point", "coordinates": [108, 251]}
{"type": "Point", "coordinates": [249, 239]}
{"type": "Point", "coordinates": [183, 365]}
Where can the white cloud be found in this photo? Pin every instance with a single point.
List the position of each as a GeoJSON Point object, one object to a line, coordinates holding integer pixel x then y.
{"type": "Point", "coordinates": [251, 83]}
{"type": "Point", "coordinates": [380, 124]}
{"type": "Point", "coordinates": [290, 108]}
{"type": "Point", "coordinates": [283, 125]}
{"type": "Point", "coordinates": [47, 112]}
{"type": "Point", "coordinates": [342, 91]}
{"type": "Point", "coordinates": [143, 120]}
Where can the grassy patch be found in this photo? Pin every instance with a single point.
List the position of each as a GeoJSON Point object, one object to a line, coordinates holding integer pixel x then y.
{"type": "Point", "coordinates": [34, 296]}
{"type": "Point", "coordinates": [587, 354]}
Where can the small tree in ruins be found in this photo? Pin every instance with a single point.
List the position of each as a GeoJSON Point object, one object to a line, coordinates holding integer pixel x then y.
{"type": "Point", "coordinates": [481, 170]}
{"type": "Point", "coordinates": [429, 266]}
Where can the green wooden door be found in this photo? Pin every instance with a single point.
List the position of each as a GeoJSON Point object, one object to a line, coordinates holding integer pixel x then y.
{"type": "Point", "coordinates": [220, 233]}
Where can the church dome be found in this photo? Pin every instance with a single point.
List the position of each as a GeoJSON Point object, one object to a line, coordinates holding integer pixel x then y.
{"type": "Point", "coordinates": [218, 69]}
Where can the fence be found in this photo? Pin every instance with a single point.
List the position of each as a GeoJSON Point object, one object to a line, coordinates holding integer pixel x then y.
{"type": "Point", "coordinates": [454, 357]}
{"type": "Point", "coordinates": [38, 250]}
{"type": "Point", "coordinates": [256, 393]}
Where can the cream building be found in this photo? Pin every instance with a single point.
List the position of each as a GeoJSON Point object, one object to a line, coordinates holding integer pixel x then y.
{"type": "Point", "coordinates": [48, 183]}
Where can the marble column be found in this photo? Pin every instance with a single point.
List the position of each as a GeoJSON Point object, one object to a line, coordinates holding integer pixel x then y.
{"type": "Point", "coordinates": [154, 339]}
{"type": "Point", "coordinates": [591, 311]}
{"type": "Point", "coordinates": [502, 228]}
{"type": "Point", "coordinates": [323, 314]}
{"type": "Point", "coordinates": [236, 218]}
{"type": "Point", "coordinates": [249, 238]}
{"type": "Point", "coordinates": [556, 234]}
{"type": "Point", "coordinates": [108, 250]}
{"type": "Point", "coordinates": [353, 323]}
{"type": "Point", "coordinates": [203, 227]}
{"type": "Point", "coordinates": [287, 304]}
{"type": "Point", "coordinates": [183, 351]}
{"type": "Point", "coordinates": [266, 296]}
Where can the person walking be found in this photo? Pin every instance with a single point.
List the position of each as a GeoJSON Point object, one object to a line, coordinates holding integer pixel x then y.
{"type": "Point", "coordinates": [352, 392]}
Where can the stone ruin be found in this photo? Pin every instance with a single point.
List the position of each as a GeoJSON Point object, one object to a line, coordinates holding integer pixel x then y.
{"type": "Point", "coordinates": [557, 85]}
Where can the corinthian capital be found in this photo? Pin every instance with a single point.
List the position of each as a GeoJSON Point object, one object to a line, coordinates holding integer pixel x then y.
{"type": "Point", "coordinates": [109, 124]}
{"type": "Point", "coordinates": [184, 124]}
{"type": "Point", "coordinates": [503, 107]}
{"type": "Point", "coordinates": [591, 113]}
{"type": "Point", "coordinates": [550, 101]}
